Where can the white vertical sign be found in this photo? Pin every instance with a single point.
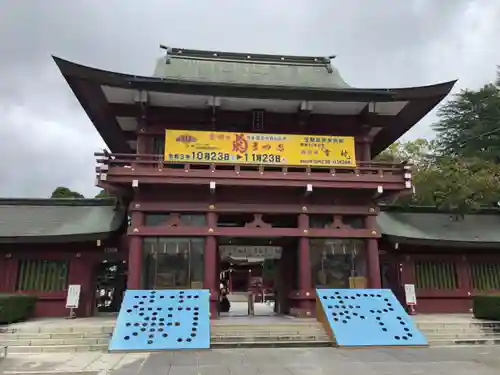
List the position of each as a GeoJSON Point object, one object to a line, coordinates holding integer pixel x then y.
{"type": "Point", "coordinates": [410, 295]}
{"type": "Point", "coordinates": [73, 297]}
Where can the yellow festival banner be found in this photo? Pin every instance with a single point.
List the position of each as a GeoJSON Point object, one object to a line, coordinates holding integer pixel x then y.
{"type": "Point", "coordinates": [186, 146]}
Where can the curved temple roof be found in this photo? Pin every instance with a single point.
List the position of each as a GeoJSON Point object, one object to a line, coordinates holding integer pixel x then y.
{"type": "Point", "coordinates": [58, 220]}
{"type": "Point", "coordinates": [192, 79]}
{"type": "Point", "coordinates": [70, 220]}
{"type": "Point", "coordinates": [441, 229]}
{"type": "Point", "coordinates": [266, 70]}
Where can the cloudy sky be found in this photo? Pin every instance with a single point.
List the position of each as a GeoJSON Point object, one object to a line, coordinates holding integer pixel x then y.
{"type": "Point", "coordinates": [46, 139]}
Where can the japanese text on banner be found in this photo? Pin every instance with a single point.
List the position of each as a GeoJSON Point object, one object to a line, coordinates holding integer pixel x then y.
{"type": "Point", "coordinates": [258, 148]}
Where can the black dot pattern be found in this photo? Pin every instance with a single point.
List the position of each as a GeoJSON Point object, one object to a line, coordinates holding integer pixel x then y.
{"type": "Point", "coordinates": [162, 320]}
{"type": "Point", "coordinates": [368, 317]}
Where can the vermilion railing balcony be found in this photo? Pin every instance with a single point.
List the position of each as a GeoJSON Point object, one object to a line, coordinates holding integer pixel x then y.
{"type": "Point", "coordinates": [124, 168]}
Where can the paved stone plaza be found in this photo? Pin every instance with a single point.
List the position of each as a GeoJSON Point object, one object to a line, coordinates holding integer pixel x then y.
{"type": "Point", "coordinates": [436, 361]}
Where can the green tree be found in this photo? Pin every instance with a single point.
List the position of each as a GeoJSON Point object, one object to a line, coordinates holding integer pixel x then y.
{"type": "Point", "coordinates": [64, 192]}
{"type": "Point", "coordinates": [103, 194]}
{"type": "Point", "coordinates": [469, 125]}
{"type": "Point", "coordinates": [457, 184]}
{"type": "Point", "coordinates": [419, 152]}
{"type": "Point", "coordinates": [447, 182]}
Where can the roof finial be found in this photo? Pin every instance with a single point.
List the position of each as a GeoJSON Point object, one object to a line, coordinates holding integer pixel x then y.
{"type": "Point", "coordinates": [328, 63]}
{"type": "Point", "coordinates": [167, 51]}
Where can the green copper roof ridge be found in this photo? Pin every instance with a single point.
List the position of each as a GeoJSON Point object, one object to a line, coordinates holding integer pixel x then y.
{"type": "Point", "coordinates": [180, 53]}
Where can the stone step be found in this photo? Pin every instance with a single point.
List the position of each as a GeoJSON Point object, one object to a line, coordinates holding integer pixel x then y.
{"type": "Point", "coordinates": [270, 344]}
{"type": "Point", "coordinates": [485, 330]}
{"type": "Point", "coordinates": [215, 345]}
{"type": "Point", "coordinates": [461, 335]}
{"type": "Point", "coordinates": [58, 329]}
{"type": "Point", "coordinates": [96, 335]}
{"type": "Point", "coordinates": [36, 341]}
{"type": "Point", "coordinates": [55, 342]}
{"type": "Point", "coordinates": [274, 330]}
{"type": "Point", "coordinates": [49, 336]}
{"type": "Point", "coordinates": [464, 341]}
{"type": "Point", "coordinates": [461, 325]}
{"type": "Point", "coordinates": [460, 329]}
{"type": "Point", "coordinates": [267, 326]}
{"type": "Point", "coordinates": [271, 326]}
{"type": "Point", "coordinates": [271, 338]}
{"type": "Point", "coordinates": [57, 349]}
{"type": "Point", "coordinates": [266, 332]}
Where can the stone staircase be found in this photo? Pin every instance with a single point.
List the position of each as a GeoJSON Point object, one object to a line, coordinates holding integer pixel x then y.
{"type": "Point", "coordinates": [56, 339]}
{"type": "Point", "coordinates": [268, 332]}
{"type": "Point", "coordinates": [93, 334]}
{"type": "Point", "coordinates": [452, 332]}
{"type": "Point", "coordinates": [225, 333]}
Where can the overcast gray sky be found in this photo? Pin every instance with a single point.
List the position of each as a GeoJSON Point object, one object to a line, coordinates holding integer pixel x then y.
{"type": "Point", "coordinates": [46, 139]}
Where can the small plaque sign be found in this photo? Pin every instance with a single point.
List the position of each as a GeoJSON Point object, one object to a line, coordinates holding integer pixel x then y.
{"type": "Point", "coordinates": [73, 297]}
{"type": "Point", "coordinates": [410, 295]}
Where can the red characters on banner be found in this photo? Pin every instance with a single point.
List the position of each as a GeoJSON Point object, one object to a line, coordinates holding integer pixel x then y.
{"type": "Point", "coordinates": [240, 144]}
{"type": "Point", "coordinates": [255, 146]}
{"type": "Point", "coordinates": [280, 148]}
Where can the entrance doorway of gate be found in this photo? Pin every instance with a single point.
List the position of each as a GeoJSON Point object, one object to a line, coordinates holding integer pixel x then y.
{"type": "Point", "coordinates": [251, 275]}
{"type": "Point", "coordinates": [110, 285]}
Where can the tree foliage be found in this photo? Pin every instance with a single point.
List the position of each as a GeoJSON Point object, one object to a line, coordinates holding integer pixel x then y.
{"type": "Point", "coordinates": [64, 192]}
{"type": "Point", "coordinates": [103, 194]}
{"type": "Point", "coordinates": [447, 182]}
{"type": "Point", "coordinates": [469, 124]}
{"type": "Point", "coordinates": [460, 170]}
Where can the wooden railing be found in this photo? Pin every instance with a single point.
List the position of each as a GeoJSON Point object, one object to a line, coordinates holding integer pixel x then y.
{"type": "Point", "coordinates": [108, 162]}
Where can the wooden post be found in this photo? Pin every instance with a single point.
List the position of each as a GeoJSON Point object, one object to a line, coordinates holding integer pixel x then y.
{"type": "Point", "coordinates": [304, 267]}
{"type": "Point", "coordinates": [372, 256]}
{"type": "Point", "coordinates": [210, 274]}
{"type": "Point", "coordinates": [135, 256]}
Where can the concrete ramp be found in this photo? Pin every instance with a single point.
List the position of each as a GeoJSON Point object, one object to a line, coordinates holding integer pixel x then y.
{"type": "Point", "coordinates": [162, 320]}
{"type": "Point", "coordinates": [366, 318]}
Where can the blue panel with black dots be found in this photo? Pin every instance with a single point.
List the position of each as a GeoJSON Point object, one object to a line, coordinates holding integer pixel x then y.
{"type": "Point", "coordinates": [162, 320]}
{"type": "Point", "coordinates": [368, 317]}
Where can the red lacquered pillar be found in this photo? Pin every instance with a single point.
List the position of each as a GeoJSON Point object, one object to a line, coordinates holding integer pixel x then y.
{"type": "Point", "coordinates": [210, 274]}
{"type": "Point", "coordinates": [135, 253]}
{"type": "Point", "coordinates": [306, 302]}
{"type": "Point", "coordinates": [372, 255]}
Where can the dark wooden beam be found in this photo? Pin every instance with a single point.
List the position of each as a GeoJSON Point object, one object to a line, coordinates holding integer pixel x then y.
{"type": "Point", "coordinates": [303, 114]}
{"type": "Point", "coordinates": [249, 232]}
{"type": "Point", "coordinates": [176, 206]}
{"type": "Point", "coordinates": [184, 116]}
{"type": "Point", "coordinates": [365, 183]}
{"type": "Point", "coordinates": [368, 118]}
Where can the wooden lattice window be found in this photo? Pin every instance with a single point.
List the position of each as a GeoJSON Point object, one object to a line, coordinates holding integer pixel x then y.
{"type": "Point", "coordinates": [485, 276]}
{"type": "Point", "coordinates": [42, 275]}
{"type": "Point", "coordinates": [436, 275]}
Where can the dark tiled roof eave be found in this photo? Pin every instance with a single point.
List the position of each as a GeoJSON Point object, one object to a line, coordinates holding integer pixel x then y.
{"type": "Point", "coordinates": [86, 84]}
{"type": "Point", "coordinates": [441, 229]}
{"type": "Point", "coordinates": [58, 220]}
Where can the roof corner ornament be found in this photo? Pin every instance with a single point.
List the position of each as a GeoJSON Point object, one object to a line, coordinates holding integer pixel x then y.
{"type": "Point", "coordinates": [168, 50]}
{"type": "Point", "coordinates": [328, 63]}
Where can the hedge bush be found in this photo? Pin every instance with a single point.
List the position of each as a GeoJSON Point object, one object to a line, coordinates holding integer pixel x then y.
{"type": "Point", "coordinates": [16, 307]}
{"type": "Point", "coordinates": [486, 306]}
